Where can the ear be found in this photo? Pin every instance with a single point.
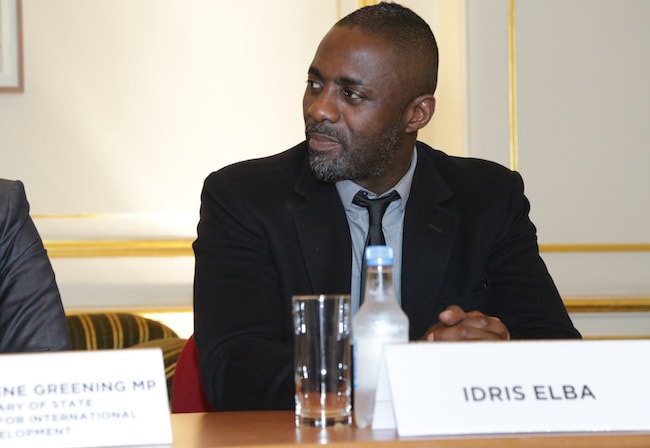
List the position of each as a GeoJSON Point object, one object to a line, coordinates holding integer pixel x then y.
{"type": "Point", "coordinates": [419, 112]}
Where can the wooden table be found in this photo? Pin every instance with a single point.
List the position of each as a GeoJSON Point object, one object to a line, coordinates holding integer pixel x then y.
{"type": "Point", "coordinates": [277, 429]}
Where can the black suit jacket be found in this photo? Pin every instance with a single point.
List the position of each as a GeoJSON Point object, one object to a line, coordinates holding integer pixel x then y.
{"type": "Point", "coordinates": [269, 230]}
{"type": "Point", "coordinates": [31, 313]}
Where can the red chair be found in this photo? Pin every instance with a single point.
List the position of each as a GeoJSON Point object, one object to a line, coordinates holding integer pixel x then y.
{"type": "Point", "coordinates": [187, 393]}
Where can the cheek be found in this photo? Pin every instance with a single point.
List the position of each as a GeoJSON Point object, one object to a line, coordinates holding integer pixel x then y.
{"type": "Point", "coordinates": [365, 125]}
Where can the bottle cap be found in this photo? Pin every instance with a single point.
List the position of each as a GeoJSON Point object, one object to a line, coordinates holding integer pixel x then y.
{"type": "Point", "coordinates": [379, 256]}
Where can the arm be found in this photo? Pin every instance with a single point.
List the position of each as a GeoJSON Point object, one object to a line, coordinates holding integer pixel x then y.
{"type": "Point", "coordinates": [523, 293]}
{"type": "Point", "coordinates": [31, 313]}
{"type": "Point", "coordinates": [519, 299]}
{"type": "Point", "coordinates": [241, 319]}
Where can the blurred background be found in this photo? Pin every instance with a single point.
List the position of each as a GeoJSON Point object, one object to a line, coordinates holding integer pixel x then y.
{"type": "Point", "coordinates": [127, 105]}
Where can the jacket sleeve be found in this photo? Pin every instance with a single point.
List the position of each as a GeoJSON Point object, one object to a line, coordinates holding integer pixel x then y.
{"type": "Point", "coordinates": [240, 319]}
{"type": "Point", "coordinates": [31, 313]}
{"type": "Point", "coordinates": [522, 291]}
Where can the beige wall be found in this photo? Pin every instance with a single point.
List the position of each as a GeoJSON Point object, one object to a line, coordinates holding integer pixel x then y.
{"type": "Point", "coordinates": [582, 135]}
{"type": "Point", "coordinates": [128, 105]}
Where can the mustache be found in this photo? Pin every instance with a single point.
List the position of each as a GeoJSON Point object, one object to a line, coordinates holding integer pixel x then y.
{"type": "Point", "coordinates": [324, 130]}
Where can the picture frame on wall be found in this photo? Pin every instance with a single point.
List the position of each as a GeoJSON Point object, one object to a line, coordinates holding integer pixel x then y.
{"type": "Point", "coordinates": [11, 48]}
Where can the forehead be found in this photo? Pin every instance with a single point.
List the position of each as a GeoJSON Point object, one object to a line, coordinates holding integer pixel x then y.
{"type": "Point", "coordinates": [347, 53]}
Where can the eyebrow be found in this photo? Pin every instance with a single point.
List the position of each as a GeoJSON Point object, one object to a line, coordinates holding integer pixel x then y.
{"type": "Point", "coordinates": [343, 81]}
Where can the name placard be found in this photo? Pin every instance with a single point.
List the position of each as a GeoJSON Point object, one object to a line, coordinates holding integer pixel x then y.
{"type": "Point", "coordinates": [460, 388]}
{"type": "Point", "coordinates": [84, 399]}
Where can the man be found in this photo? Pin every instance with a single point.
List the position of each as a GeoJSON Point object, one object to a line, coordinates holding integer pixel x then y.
{"type": "Point", "coordinates": [31, 313]}
{"type": "Point", "coordinates": [467, 262]}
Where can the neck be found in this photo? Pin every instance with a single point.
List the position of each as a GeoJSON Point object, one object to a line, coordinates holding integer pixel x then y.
{"type": "Point", "coordinates": [393, 174]}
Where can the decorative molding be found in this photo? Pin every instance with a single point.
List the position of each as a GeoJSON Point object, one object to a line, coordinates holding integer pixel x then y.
{"type": "Point", "coordinates": [512, 86]}
{"type": "Point", "coordinates": [119, 248]}
{"type": "Point", "coordinates": [604, 247]}
{"type": "Point", "coordinates": [608, 305]}
{"type": "Point", "coordinates": [53, 216]}
{"type": "Point", "coordinates": [615, 337]}
{"type": "Point", "coordinates": [582, 305]}
{"type": "Point", "coordinates": [183, 248]}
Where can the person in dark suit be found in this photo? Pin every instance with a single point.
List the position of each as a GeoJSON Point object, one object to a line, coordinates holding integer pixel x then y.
{"type": "Point", "coordinates": [467, 261]}
{"type": "Point", "coordinates": [31, 312]}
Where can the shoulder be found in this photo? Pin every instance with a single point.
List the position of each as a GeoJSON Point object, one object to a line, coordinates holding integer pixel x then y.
{"type": "Point", "coordinates": [12, 190]}
{"type": "Point", "coordinates": [13, 201]}
{"type": "Point", "coordinates": [457, 165]}
{"type": "Point", "coordinates": [262, 172]}
{"type": "Point", "coordinates": [465, 174]}
{"type": "Point", "coordinates": [17, 231]}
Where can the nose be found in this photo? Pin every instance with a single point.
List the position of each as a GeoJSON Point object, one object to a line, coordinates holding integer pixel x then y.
{"type": "Point", "coordinates": [322, 106]}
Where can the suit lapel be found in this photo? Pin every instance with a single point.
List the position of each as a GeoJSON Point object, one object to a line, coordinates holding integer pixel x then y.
{"type": "Point", "coordinates": [324, 235]}
{"type": "Point", "coordinates": [429, 229]}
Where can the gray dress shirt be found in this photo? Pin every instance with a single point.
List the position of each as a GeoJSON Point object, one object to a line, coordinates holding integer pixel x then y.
{"type": "Point", "coordinates": [392, 226]}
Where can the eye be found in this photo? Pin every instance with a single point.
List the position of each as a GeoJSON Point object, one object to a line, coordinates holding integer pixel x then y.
{"type": "Point", "coordinates": [351, 95]}
{"type": "Point", "coordinates": [313, 84]}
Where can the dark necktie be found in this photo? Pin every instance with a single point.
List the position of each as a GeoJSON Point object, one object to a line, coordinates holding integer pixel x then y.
{"type": "Point", "coordinates": [376, 209]}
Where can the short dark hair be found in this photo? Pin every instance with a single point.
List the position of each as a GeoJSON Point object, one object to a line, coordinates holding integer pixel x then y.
{"type": "Point", "coordinates": [406, 30]}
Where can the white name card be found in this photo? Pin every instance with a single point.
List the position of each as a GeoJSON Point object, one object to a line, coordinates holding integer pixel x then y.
{"type": "Point", "coordinates": [84, 399]}
{"type": "Point", "coordinates": [458, 388]}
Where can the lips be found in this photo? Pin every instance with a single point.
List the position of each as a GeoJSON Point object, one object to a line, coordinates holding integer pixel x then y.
{"type": "Point", "coordinates": [322, 142]}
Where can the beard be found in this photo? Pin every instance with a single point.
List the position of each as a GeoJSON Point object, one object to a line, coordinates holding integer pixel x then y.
{"type": "Point", "coordinates": [369, 158]}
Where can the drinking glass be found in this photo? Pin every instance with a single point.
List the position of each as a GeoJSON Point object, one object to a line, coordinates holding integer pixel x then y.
{"type": "Point", "coordinates": [322, 359]}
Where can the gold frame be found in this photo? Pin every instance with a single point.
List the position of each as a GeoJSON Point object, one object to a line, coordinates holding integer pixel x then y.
{"type": "Point", "coordinates": [18, 36]}
{"type": "Point", "coordinates": [512, 86]}
{"type": "Point", "coordinates": [119, 248]}
{"type": "Point", "coordinates": [180, 247]}
{"type": "Point", "coordinates": [603, 247]}
{"type": "Point", "coordinates": [608, 305]}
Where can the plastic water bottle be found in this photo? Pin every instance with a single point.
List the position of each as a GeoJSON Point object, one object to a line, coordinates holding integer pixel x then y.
{"type": "Point", "coordinates": [380, 320]}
